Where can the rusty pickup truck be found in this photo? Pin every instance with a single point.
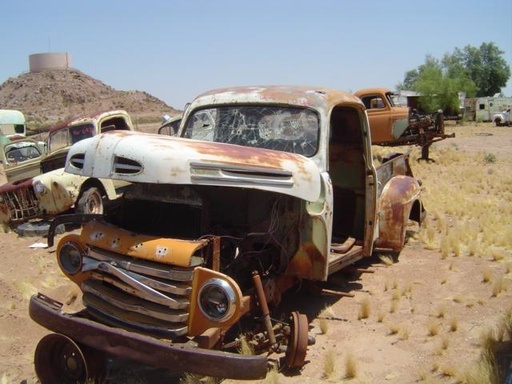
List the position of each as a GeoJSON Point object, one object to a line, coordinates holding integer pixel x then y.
{"type": "Point", "coordinates": [54, 191]}
{"type": "Point", "coordinates": [394, 125]}
{"type": "Point", "coordinates": [265, 188]}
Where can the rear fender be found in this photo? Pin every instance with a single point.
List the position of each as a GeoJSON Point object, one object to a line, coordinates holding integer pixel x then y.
{"type": "Point", "coordinates": [398, 198]}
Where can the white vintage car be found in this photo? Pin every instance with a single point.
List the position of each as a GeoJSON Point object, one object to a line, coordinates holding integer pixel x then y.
{"type": "Point", "coordinates": [58, 191]}
{"type": "Point", "coordinates": [503, 118]}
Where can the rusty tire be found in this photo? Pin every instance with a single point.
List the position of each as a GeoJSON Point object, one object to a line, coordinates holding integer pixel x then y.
{"type": "Point", "coordinates": [298, 341]}
{"type": "Point", "coordinates": [91, 201]}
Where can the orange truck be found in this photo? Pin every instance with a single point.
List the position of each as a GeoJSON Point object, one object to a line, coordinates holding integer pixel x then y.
{"type": "Point", "coordinates": [394, 125]}
{"type": "Point", "coordinates": [262, 189]}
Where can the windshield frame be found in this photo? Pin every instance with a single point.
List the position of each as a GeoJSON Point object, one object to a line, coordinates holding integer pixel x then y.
{"type": "Point", "coordinates": [64, 138]}
{"type": "Point", "coordinates": [286, 128]}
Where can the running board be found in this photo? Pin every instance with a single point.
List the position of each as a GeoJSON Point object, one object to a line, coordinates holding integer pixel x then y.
{"type": "Point", "coordinates": [339, 261]}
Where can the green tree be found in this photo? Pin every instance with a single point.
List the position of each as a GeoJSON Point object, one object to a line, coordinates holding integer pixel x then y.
{"type": "Point", "coordinates": [485, 66]}
{"type": "Point", "coordinates": [475, 71]}
{"type": "Point", "coordinates": [437, 87]}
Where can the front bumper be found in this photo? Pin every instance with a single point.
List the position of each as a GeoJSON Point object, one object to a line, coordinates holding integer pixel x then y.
{"type": "Point", "coordinates": [145, 349]}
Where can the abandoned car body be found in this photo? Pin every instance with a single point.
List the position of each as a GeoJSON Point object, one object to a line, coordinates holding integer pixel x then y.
{"type": "Point", "coordinates": [265, 187]}
{"type": "Point", "coordinates": [393, 125]}
{"type": "Point", "coordinates": [21, 158]}
{"type": "Point", "coordinates": [55, 191]}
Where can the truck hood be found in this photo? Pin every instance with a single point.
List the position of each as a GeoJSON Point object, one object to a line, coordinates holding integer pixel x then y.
{"type": "Point", "coordinates": [151, 158]}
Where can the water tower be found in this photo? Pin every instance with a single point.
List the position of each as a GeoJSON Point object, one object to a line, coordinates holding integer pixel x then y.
{"type": "Point", "coordinates": [52, 60]}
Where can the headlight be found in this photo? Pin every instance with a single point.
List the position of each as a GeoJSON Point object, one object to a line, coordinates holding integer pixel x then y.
{"type": "Point", "coordinates": [39, 187]}
{"type": "Point", "coordinates": [217, 299]}
{"type": "Point", "coordinates": [70, 258]}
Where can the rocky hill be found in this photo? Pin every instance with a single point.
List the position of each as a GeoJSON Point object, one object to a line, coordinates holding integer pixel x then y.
{"type": "Point", "coordinates": [51, 96]}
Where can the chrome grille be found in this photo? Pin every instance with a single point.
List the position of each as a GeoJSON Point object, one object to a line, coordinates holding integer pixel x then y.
{"type": "Point", "coordinates": [22, 204]}
{"type": "Point", "coordinates": [138, 294]}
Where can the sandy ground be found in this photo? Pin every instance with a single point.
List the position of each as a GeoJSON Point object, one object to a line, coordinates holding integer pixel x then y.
{"type": "Point", "coordinates": [426, 313]}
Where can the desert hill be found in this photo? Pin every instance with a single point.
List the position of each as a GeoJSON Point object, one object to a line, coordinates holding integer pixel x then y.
{"type": "Point", "coordinates": [54, 95]}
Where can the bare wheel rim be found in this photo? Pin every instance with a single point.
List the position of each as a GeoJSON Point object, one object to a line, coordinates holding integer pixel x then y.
{"type": "Point", "coordinates": [94, 204]}
{"type": "Point", "coordinates": [298, 342]}
{"type": "Point", "coordinates": [58, 359]}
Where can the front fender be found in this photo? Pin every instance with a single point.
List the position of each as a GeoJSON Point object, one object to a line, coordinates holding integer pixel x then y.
{"type": "Point", "coordinates": [57, 191]}
{"type": "Point", "coordinates": [398, 197]}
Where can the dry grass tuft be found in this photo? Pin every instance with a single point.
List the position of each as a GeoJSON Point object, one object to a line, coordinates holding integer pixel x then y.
{"type": "Point", "coordinates": [329, 363]}
{"type": "Point", "coordinates": [4, 379]}
{"type": "Point", "coordinates": [394, 306]}
{"type": "Point", "coordinates": [407, 291]}
{"type": "Point", "coordinates": [25, 288]}
{"type": "Point", "coordinates": [386, 259]}
{"type": "Point", "coordinates": [422, 376]}
{"type": "Point", "coordinates": [497, 254]}
{"type": "Point", "coordinates": [507, 322]}
{"type": "Point", "coordinates": [326, 314]}
{"type": "Point", "coordinates": [454, 324]}
{"type": "Point", "coordinates": [323, 324]}
{"type": "Point", "coordinates": [445, 247]}
{"type": "Point", "coordinates": [272, 376]}
{"type": "Point", "coordinates": [350, 366]}
{"type": "Point", "coordinates": [393, 328]}
{"type": "Point", "coordinates": [245, 347]}
{"type": "Point", "coordinates": [448, 370]}
{"type": "Point", "coordinates": [364, 309]}
{"type": "Point", "coordinates": [498, 286]}
{"type": "Point", "coordinates": [486, 275]}
{"type": "Point", "coordinates": [445, 342]}
{"type": "Point", "coordinates": [441, 312]}
{"type": "Point", "coordinates": [404, 332]}
{"type": "Point", "coordinates": [433, 328]}
{"type": "Point", "coordinates": [484, 371]}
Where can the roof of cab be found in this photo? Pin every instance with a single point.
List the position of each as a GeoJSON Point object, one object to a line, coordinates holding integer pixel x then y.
{"type": "Point", "coordinates": [85, 118]}
{"type": "Point", "coordinates": [307, 96]}
{"type": "Point", "coordinates": [11, 116]}
{"type": "Point", "coordinates": [365, 91]}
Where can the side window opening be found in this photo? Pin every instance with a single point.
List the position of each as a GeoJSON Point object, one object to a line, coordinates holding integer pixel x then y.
{"type": "Point", "coordinates": [116, 123]}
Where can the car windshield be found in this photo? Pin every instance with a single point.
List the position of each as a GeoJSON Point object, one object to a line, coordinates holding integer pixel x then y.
{"type": "Point", "coordinates": [288, 129]}
{"type": "Point", "coordinates": [69, 136]}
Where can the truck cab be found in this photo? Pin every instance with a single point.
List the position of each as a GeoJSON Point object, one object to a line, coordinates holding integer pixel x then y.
{"type": "Point", "coordinates": [12, 124]}
{"type": "Point", "coordinates": [395, 125]}
{"type": "Point", "coordinates": [264, 188]}
{"type": "Point", "coordinates": [62, 136]}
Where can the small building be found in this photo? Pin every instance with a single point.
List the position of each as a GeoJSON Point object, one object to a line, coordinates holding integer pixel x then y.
{"type": "Point", "coordinates": [483, 108]}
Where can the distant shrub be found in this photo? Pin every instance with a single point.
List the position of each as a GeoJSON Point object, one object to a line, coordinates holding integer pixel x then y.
{"type": "Point", "coordinates": [490, 158]}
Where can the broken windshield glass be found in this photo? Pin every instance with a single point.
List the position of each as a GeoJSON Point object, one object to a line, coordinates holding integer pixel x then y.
{"type": "Point", "coordinates": [288, 129]}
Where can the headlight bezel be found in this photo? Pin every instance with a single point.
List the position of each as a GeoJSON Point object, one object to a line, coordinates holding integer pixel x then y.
{"type": "Point", "coordinates": [39, 187]}
{"type": "Point", "coordinates": [212, 286]}
{"type": "Point", "coordinates": [70, 264]}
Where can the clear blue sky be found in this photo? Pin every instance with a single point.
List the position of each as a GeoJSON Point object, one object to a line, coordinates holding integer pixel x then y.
{"type": "Point", "coordinates": [175, 50]}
